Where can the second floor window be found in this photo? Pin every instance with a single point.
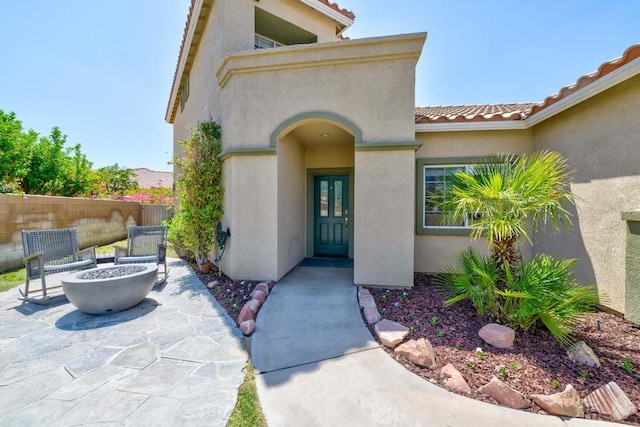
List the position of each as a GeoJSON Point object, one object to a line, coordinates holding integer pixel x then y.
{"type": "Point", "coordinates": [261, 42]}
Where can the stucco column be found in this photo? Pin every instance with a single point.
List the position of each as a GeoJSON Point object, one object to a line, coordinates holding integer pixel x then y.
{"type": "Point", "coordinates": [384, 217]}
{"type": "Point", "coordinates": [632, 281]}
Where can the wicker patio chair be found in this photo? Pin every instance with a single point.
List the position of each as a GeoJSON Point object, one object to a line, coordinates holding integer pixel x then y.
{"type": "Point", "coordinates": [145, 244]}
{"type": "Point", "coordinates": [47, 252]}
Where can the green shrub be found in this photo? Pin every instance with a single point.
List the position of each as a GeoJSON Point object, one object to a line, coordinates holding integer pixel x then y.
{"type": "Point", "coordinates": [176, 234]}
{"type": "Point", "coordinates": [540, 290]}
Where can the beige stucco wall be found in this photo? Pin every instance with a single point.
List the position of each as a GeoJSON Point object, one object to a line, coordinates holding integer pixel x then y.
{"type": "Point", "coordinates": [434, 252]}
{"type": "Point", "coordinates": [291, 204]}
{"type": "Point", "coordinates": [384, 217]}
{"type": "Point", "coordinates": [251, 214]}
{"type": "Point", "coordinates": [303, 16]}
{"type": "Point", "coordinates": [337, 156]}
{"type": "Point", "coordinates": [601, 139]}
{"type": "Point", "coordinates": [291, 80]}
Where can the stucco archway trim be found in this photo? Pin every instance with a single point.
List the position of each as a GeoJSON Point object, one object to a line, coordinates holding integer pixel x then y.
{"type": "Point", "coordinates": [299, 119]}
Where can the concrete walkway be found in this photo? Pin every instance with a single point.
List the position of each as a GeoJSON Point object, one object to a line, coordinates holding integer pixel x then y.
{"type": "Point", "coordinates": [175, 359]}
{"type": "Point", "coordinates": [319, 366]}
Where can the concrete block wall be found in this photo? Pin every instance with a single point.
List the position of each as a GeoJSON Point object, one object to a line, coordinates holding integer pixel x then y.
{"type": "Point", "coordinates": [99, 222]}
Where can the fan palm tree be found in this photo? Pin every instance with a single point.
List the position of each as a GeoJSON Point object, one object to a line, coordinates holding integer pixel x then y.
{"type": "Point", "coordinates": [508, 198]}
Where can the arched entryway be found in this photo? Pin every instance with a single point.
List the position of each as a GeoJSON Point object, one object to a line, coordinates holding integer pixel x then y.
{"type": "Point", "coordinates": [315, 175]}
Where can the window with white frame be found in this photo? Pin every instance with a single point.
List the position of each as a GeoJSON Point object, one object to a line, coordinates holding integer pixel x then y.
{"type": "Point", "coordinates": [185, 93]}
{"type": "Point", "coordinates": [261, 42]}
{"type": "Point", "coordinates": [433, 178]}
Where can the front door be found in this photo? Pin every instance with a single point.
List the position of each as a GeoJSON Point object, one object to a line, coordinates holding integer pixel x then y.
{"type": "Point", "coordinates": [331, 215]}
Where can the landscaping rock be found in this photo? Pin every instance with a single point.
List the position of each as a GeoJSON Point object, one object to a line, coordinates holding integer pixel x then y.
{"type": "Point", "coordinates": [566, 403]}
{"type": "Point", "coordinates": [390, 333]}
{"type": "Point", "coordinates": [582, 353]}
{"type": "Point", "coordinates": [367, 301]}
{"type": "Point", "coordinates": [258, 295]}
{"type": "Point", "coordinates": [419, 352]}
{"type": "Point", "coordinates": [254, 305]}
{"type": "Point", "coordinates": [497, 335]}
{"type": "Point", "coordinates": [213, 284]}
{"type": "Point", "coordinates": [270, 284]}
{"type": "Point", "coordinates": [245, 314]}
{"type": "Point", "coordinates": [363, 292]}
{"type": "Point", "coordinates": [504, 394]}
{"type": "Point", "coordinates": [610, 400]}
{"type": "Point", "coordinates": [247, 327]}
{"type": "Point", "coordinates": [372, 315]}
{"type": "Point", "coordinates": [262, 287]}
{"type": "Point", "coordinates": [453, 380]}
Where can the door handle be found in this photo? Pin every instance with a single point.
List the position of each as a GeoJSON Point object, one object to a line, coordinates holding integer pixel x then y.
{"type": "Point", "coordinates": [346, 219]}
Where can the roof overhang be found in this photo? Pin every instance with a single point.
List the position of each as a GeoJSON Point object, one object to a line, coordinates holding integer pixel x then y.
{"type": "Point", "coordinates": [330, 12]}
{"type": "Point", "coordinates": [625, 72]}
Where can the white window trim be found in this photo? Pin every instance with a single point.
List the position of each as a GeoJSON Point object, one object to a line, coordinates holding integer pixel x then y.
{"type": "Point", "coordinates": [424, 191]}
{"type": "Point", "coordinates": [260, 38]}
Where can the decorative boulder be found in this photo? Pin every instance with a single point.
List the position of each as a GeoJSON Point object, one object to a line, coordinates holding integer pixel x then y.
{"type": "Point", "coordinates": [212, 285]}
{"type": "Point", "coordinates": [245, 314]}
{"type": "Point", "coordinates": [582, 353]}
{"type": "Point", "coordinates": [247, 327]}
{"type": "Point", "coordinates": [254, 305]}
{"type": "Point", "coordinates": [271, 284]}
{"type": "Point", "coordinates": [566, 403]}
{"type": "Point", "coordinates": [372, 315]}
{"type": "Point", "coordinates": [504, 394]}
{"type": "Point", "coordinates": [497, 335]}
{"type": "Point", "coordinates": [419, 352]}
{"type": "Point", "coordinates": [258, 295]}
{"type": "Point", "coordinates": [390, 333]}
{"type": "Point", "coordinates": [453, 380]}
{"type": "Point", "coordinates": [262, 287]}
{"type": "Point", "coordinates": [612, 401]}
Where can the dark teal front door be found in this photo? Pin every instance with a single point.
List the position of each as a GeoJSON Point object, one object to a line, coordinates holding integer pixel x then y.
{"type": "Point", "coordinates": [331, 215]}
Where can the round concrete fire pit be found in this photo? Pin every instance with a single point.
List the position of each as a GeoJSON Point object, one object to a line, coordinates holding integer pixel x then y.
{"type": "Point", "coordinates": [109, 289]}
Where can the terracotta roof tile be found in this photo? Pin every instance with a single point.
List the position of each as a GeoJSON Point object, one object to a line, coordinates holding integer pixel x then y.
{"type": "Point", "coordinates": [472, 113]}
{"type": "Point", "coordinates": [629, 55]}
{"type": "Point", "coordinates": [519, 111]}
{"type": "Point", "coordinates": [148, 178]}
{"type": "Point", "coordinates": [334, 6]}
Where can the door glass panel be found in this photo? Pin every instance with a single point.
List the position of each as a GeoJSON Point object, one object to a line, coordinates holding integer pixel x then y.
{"type": "Point", "coordinates": [337, 199]}
{"type": "Point", "coordinates": [324, 198]}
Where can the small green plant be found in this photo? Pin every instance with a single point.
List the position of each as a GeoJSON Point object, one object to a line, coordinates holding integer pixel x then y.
{"type": "Point", "coordinates": [625, 363]}
{"type": "Point", "coordinates": [441, 333]}
{"type": "Point", "coordinates": [384, 299]}
{"type": "Point", "coordinates": [434, 321]}
{"type": "Point", "coordinates": [555, 383]}
{"type": "Point", "coordinates": [515, 367]}
{"type": "Point", "coordinates": [457, 345]}
{"type": "Point", "coordinates": [502, 372]}
{"type": "Point", "coordinates": [404, 297]}
{"type": "Point", "coordinates": [584, 373]}
{"type": "Point", "coordinates": [471, 365]}
{"type": "Point", "coordinates": [411, 330]}
{"type": "Point", "coordinates": [479, 353]}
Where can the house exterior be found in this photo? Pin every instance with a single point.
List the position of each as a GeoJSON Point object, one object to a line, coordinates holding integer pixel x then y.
{"type": "Point", "coordinates": [147, 178]}
{"type": "Point", "coordinates": [325, 153]}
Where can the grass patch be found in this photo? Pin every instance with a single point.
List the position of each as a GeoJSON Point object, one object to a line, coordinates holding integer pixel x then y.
{"type": "Point", "coordinates": [248, 411]}
{"type": "Point", "coordinates": [11, 279]}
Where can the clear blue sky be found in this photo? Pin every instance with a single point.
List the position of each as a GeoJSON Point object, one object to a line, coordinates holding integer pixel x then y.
{"type": "Point", "coordinates": [102, 70]}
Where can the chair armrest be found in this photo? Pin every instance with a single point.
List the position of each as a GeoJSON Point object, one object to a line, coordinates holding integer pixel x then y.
{"type": "Point", "coordinates": [89, 253]}
{"type": "Point", "coordinates": [37, 269]}
{"type": "Point", "coordinates": [162, 252]}
{"type": "Point", "coordinates": [119, 251]}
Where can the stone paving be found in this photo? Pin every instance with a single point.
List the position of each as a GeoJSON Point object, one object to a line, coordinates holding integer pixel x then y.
{"type": "Point", "coordinates": [174, 359]}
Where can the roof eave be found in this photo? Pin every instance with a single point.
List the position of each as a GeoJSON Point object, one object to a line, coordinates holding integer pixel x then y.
{"type": "Point", "coordinates": [177, 83]}
{"type": "Point", "coordinates": [330, 12]}
{"type": "Point", "coordinates": [604, 83]}
{"type": "Point", "coordinates": [615, 77]}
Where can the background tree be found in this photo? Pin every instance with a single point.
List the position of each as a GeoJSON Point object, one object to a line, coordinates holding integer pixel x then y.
{"type": "Point", "coordinates": [15, 151]}
{"type": "Point", "coordinates": [116, 180]}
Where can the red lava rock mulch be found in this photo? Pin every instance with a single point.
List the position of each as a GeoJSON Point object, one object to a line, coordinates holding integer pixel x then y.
{"type": "Point", "coordinates": [534, 365]}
